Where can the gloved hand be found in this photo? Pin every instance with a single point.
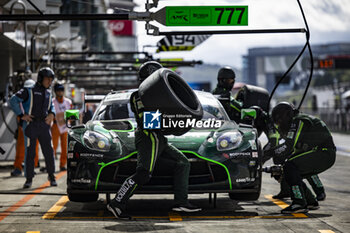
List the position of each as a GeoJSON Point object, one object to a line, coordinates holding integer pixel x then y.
{"type": "Point", "coordinates": [278, 159]}
{"type": "Point", "coordinates": [260, 120]}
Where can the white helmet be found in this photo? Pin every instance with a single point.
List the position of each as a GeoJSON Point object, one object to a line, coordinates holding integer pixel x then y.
{"type": "Point", "coordinates": [29, 83]}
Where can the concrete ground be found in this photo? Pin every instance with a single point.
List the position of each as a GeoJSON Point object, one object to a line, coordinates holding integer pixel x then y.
{"type": "Point", "coordinates": [47, 209]}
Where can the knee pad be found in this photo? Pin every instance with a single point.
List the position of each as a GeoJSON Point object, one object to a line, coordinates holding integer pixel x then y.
{"type": "Point", "coordinates": [142, 176]}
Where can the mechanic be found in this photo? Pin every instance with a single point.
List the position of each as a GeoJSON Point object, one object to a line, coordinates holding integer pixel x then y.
{"type": "Point", "coordinates": [59, 129]}
{"type": "Point", "coordinates": [152, 145]}
{"type": "Point", "coordinates": [226, 80]}
{"type": "Point", "coordinates": [20, 147]}
{"type": "Point", "coordinates": [308, 149]}
{"type": "Point", "coordinates": [264, 124]}
{"type": "Point", "coordinates": [38, 115]}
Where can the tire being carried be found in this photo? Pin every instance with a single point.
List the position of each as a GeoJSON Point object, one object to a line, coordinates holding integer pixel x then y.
{"type": "Point", "coordinates": [166, 91]}
{"type": "Point", "coordinates": [251, 95]}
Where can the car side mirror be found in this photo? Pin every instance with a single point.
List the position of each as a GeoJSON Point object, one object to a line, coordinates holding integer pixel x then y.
{"type": "Point", "coordinates": [248, 115]}
{"type": "Point", "coordinates": [71, 117]}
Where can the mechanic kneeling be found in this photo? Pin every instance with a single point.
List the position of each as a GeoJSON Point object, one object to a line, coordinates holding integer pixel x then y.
{"type": "Point", "coordinates": [308, 150]}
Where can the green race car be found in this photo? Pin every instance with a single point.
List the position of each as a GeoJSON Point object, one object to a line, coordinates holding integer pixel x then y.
{"type": "Point", "coordinates": [225, 157]}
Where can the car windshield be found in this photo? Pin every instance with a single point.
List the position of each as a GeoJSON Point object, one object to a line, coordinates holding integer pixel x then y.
{"type": "Point", "coordinates": [116, 109]}
{"type": "Point", "coordinates": [211, 106]}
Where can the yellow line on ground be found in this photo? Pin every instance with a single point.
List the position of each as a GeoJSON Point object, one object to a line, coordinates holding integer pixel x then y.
{"type": "Point", "coordinates": [188, 217]}
{"type": "Point", "coordinates": [112, 217]}
{"type": "Point", "coordinates": [173, 216]}
{"type": "Point", "coordinates": [55, 208]}
{"type": "Point", "coordinates": [33, 231]}
{"type": "Point", "coordinates": [27, 198]}
{"type": "Point", "coordinates": [326, 231]}
{"type": "Point", "coordinates": [100, 213]}
{"type": "Point", "coordinates": [284, 205]}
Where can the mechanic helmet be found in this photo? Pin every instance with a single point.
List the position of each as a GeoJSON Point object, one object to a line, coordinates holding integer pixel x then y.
{"type": "Point", "coordinates": [226, 77]}
{"type": "Point", "coordinates": [147, 68]}
{"type": "Point", "coordinates": [58, 87]}
{"type": "Point", "coordinates": [45, 72]}
{"type": "Point", "coordinates": [29, 83]}
{"type": "Point", "coordinates": [282, 115]}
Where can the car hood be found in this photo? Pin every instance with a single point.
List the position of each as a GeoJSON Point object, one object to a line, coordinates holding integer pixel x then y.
{"type": "Point", "coordinates": [192, 140]}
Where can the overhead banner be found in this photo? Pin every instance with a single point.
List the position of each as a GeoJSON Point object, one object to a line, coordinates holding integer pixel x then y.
{"type": "Point", "coordinates": [180, 42]}
{"type": "Point", "coordinates": [206, 16]}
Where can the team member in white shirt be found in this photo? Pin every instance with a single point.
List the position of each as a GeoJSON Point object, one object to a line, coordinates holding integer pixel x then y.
{"type": "Point", "coordinates": [59, 129]}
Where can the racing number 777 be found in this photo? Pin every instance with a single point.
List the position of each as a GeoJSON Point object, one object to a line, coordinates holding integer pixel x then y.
{"type": "Point", "coordinates": [231, 10]}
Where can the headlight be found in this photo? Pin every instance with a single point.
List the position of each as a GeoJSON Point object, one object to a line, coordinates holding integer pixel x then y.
{"type": "Point", "coordinates": [229, 141]}
{"type": "Point", "coordinates": [96, 141]}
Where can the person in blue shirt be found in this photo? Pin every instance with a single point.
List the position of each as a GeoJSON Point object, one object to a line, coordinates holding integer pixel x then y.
{"type": "Point", "coordinates": [38, 115]}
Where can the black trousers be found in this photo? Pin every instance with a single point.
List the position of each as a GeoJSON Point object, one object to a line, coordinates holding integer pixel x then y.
{"type": "Point", "coordinates": [305, 165]}
{"type": "Point", "coordinates": [153, 147]}
{"type": "Point", "coordinates": [41, 131]}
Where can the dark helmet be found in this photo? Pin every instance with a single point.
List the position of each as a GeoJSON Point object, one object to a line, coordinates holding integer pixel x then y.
{"type": "Point", "coordinates": [45, 72]}
{"type": "Point", "coordinates": [58, 87]}
{"type": "Point", "coordinates": [282, 115]}
{"type": "Point", "coordinates": [147, 68]}
{"type": "Point", "coordinates": [225, 77]}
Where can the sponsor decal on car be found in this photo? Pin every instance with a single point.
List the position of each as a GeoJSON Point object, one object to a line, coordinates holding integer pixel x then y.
{"type": "Point", "coordinates": [81, 181]}
{"type": "Point", "coordinates": [70, 155]}
{"type": "Point", "coordinates": [155, 120]}
{"type": "Point", "coordinates": [91, 155]}
{"type": "Point", "coordinates": [244, 180]}
{"type": "Point", "coordinates": [255, 154]}
{"type": "Point", "coordinates": [73, 164]}
{"type": "Point", "coordinates": [252, 163]}
{"type": "Point", "coordinates": [239, 154]}
{"type": "Point", "coordinates": [71, 145]}
{"type": "Point", "coordinates": [253, 144]}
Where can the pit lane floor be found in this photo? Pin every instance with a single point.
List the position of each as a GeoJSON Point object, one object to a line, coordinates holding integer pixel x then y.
{"type": "Point", "coordinates": [47, 209]}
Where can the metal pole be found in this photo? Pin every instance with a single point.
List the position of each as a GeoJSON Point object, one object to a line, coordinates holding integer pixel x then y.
{"type": "Point", "coordinates": [25, 30]}
{"type": "Point", "coordinates": [71, 17]}
{"type": "Point", "coordinates": [253, 31]}
{"type": "Point", "coordinates": [32, 52]}
{"type": "Point", "coordinates": [49, 46]}
{"type": "Point", "coordinates": [132, 61]}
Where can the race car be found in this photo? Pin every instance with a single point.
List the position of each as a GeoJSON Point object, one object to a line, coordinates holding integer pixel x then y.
{"type": "Point", "coordinates": [224, 157]}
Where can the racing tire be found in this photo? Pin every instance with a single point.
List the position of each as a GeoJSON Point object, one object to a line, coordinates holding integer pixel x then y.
{"type": "Point", "coordinates": [251, 95]}
{"type": "Point", "coordinates": [167, 92]}
{"type": "Point", "coordinates": [83, 197]}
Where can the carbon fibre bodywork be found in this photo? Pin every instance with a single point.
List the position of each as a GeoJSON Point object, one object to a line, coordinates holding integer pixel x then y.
{"type": "Point", "coordinates": [213, 169]}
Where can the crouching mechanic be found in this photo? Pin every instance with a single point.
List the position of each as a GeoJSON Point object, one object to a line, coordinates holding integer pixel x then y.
{"type": "Point", "coordinates": [263, 123]}
{"type": "Point", "coordinates": [308, 150]}
{"type": "Point", "coordinates": [226, 80]}
{"type": "Point", "coordinates": [152, 145]}
{"type": "Point", "coordinates": [38, 115]}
